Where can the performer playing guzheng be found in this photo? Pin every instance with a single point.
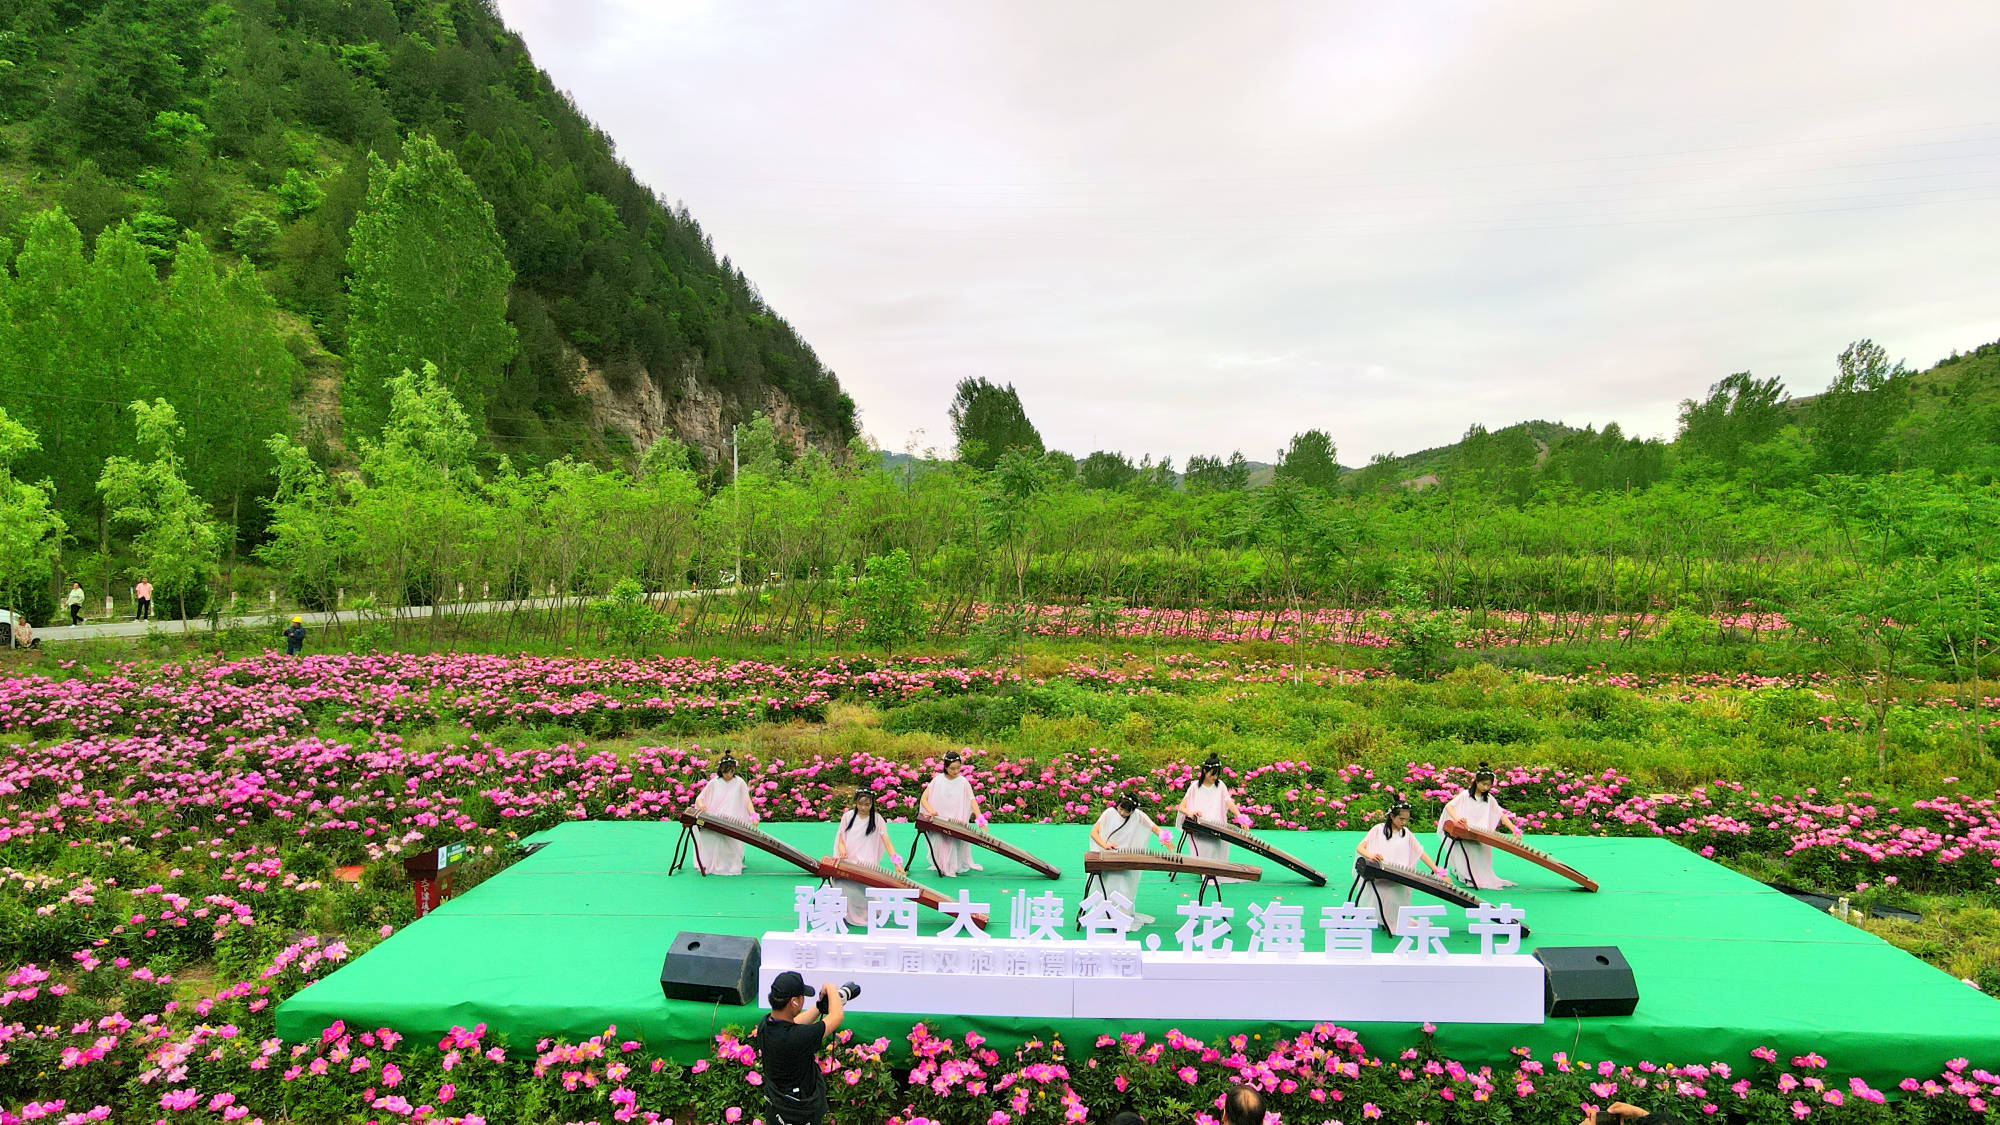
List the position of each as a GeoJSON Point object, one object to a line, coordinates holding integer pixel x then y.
{"type": "Point", "coordinates": [950, 795]}
{"type": "Point", "coordinates": [863, 838]}
{"type": "Point", "coordinates": [1480, 808]}
{"type": "Point", "coordinates": [728, 795]}
{"type": "Point", "coordinates": [1392, 842]}
{"type": "Point", "coordinates": [1209, 799]}
{"type": "Point", "coordinates": [1123, 828]}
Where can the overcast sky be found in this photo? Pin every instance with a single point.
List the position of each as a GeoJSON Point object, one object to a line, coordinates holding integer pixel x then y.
{"type": "Point", "coordinates": [1191, 228]}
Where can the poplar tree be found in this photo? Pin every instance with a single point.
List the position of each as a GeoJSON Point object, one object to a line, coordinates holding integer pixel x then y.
{"type": "Point", "coordinates": [31, 531]}
{"type": "Point", "coordinates": [428, 284]}
{"type": "Point", "coordinates": [1309, 460]}
{"type": "Point", "coordinates": [988, 422]}
{"type": "Point", "coordinates": [178, 544]}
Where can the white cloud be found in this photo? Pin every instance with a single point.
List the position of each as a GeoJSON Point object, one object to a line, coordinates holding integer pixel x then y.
{"type": "Point", "coordinates": [1184, 228]}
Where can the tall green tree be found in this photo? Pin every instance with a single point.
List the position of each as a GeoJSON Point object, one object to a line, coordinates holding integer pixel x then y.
{"type": "Point", "coordinates": [177, 544]}
{"type": "Point", "coordinates": [888, 601]}
{"type": "Point", "coordinates": [1286, 525]}
{"type": "Point", "coordinates": [224, 360]}
{"type": "Point", "coordinates": [31, 531]}
{"type": "Point", "coordinates": [1309, 460]}
{"type": "Point", "coordinates": [1105, 469]}
{"type": "Point", "coordinates": [1741, 411]}
{"type": "Point", "coordinates": [1848, 423]}
{"type": "Point", "coordinates": [1213, 474]}
{"type": "Point", "coordinates": [417, 502]}
{"type": "Point", "coordinates": [1013, 498]}
{"type": "Point", "coordinates": [311, 539]}
{"type": "Point", "coordinates": [428, 284]}
{"type": "Point", "coordinates": [988, 421]}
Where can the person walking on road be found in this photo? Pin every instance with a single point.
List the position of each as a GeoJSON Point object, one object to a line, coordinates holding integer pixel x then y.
{"type": "Point", "coordinates": [295, 637]}
{"type": "Point", "coordinates": [75, 603]}
{"type": "Point", "coordinates": [142, 600]}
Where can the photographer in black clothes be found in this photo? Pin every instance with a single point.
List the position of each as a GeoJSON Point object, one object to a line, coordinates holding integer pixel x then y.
{"type": "Point", "coordinates": [788, 1042]}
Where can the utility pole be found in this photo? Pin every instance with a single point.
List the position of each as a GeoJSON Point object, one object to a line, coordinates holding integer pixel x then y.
{"type": "Point", "coordinates": [736, 471]}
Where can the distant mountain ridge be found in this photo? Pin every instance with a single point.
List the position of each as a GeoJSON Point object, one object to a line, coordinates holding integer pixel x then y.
{"type": "Point", "coordinates": [1970, 377]}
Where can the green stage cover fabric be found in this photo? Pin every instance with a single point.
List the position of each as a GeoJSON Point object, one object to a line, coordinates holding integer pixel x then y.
{"type": "Point", "coordinates": [571, 938]}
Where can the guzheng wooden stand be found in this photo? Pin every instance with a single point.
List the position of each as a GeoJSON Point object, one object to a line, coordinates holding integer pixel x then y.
{"type": "Point", "coordinates": [685, 846]}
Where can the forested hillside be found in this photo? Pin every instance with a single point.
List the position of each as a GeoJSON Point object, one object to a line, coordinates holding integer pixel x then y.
{"type": "Point", "coordinates": [257, 156]}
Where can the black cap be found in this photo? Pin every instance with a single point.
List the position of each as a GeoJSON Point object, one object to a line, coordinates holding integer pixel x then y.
{"type": "Point", "coordinates": [787, 985]}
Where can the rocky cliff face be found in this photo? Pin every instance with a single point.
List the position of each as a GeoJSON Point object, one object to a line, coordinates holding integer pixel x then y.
{"type": "Point", "coordinates": [698, 413]}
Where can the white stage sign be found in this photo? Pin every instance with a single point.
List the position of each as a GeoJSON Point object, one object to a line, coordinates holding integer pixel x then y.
{"type": "Point", "coordinates": [1254, 966]}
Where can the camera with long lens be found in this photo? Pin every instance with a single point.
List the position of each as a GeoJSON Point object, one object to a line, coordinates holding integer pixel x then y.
{"type": "Point", "coordinates": [848, 992]}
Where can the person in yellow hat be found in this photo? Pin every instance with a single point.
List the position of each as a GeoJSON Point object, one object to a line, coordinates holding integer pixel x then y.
{"type": "Point", "coordinates": [295, 636]}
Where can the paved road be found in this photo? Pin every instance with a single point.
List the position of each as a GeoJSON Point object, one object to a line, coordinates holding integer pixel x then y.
{"type": "Point", "coordinates": [275, 621]}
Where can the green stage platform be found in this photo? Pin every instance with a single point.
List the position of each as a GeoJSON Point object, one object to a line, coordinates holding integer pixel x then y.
{"type": "Point", "coordinates": [570, 939]}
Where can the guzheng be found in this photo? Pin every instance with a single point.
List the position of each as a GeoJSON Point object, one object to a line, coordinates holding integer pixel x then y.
{"type": "Point", "coordinates": [960, 830]}
{"type": "Point", "coordinates": [1243, 839]}
{"type": "Point", "coordinates": [1460, 830]}
{"type": "Point", "coordinates": [1095, 863]}
{"type": "Point", "coordinates": [749, 834]}
{"type": "Point", "coordinates": [1418, 881]}
{"type": "Point", "coordinates": [831, 868]}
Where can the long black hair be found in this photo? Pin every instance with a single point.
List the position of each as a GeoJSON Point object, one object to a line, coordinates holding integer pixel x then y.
{"type": "Point", "coordinates": [1389, 822]}
{"type": "Point", "coordinates": [1485, 774]}
{"type": "Point", "coordinates": [874, 818]}
{"type": "Point", "coordinates": [1212, 765]}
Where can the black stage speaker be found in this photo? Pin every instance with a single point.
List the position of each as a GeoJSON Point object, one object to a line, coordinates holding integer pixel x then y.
{"type": "Point", "coordinates": [1587, 980]}
{"type": "Point", "coordinates": [712, 967]}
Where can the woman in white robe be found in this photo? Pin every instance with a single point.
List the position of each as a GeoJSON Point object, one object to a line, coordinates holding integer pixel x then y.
{"type": "Point", "coordinates": [1478, 807]}
{"type": "Point", "coordinates": [1123, 828]}
{"type": "Point", "coordinates": [949, 795]}
{"type": "Point", "coordinates": [1209, 799]}
{"type": "Point", "coordinates": [863, 838]}
{"type": "Point", "coordinates": [1392, 842]}
{"type": "Point", "coordinates": [725, 795]}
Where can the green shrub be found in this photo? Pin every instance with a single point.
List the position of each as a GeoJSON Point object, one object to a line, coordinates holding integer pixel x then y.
{"type": "Point", "coordinates": [962, 717]}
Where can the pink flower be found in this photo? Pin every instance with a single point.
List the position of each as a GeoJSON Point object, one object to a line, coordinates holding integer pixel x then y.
{"type": "Point", "coordinates": [1800, 1109]}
